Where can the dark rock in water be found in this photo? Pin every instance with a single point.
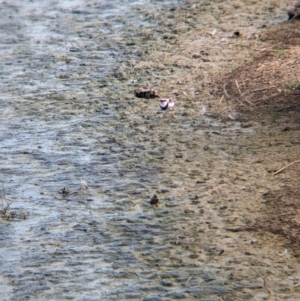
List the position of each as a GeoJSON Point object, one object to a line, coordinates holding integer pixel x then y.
{"type": "Point", "coordinates": [146, 93]}
{"type": "Point", "coordinates": [236, 34]}
{"type": "Point", "coordinates": [154, 200]}
{"type": "Point", "coordinates": [294, 12]}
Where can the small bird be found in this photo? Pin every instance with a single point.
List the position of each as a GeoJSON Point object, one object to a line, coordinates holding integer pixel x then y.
{"type": "Point", "coordinates": [166, 103]}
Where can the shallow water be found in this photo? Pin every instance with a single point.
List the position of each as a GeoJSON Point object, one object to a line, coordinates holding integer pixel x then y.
{"type": "Point", "coordinates": [65, 116]}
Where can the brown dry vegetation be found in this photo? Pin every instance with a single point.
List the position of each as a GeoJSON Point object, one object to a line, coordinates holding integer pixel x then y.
{"type": "Point", "coordinates": [263, 90]}
{"type": "Point", "coordinates": [272, 79]}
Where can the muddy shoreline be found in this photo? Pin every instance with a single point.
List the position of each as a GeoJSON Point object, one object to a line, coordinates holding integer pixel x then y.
{"type": "Point", "coordinates": [66, 117]}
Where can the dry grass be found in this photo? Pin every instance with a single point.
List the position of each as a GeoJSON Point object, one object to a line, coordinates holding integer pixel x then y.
{"type": "Point", "coordinates": [262, 79]}
{"type": "Point", "coordinates": [270, 77]}
{"type": "Point", "coordinates": [270, 83]}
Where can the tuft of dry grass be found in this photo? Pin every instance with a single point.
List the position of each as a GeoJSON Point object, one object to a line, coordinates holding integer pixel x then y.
{"type": "Point", "coordinates": [262, 79]}
{"type": "Point", "coordinates": [270, 75]}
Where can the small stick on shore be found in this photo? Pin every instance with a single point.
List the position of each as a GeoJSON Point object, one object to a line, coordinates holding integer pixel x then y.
{"type": "Point", "coordinates": [283, 168]}
{"type": "Point", "coordinates": [241, 103]}
{"type": "Point", "coordinates": [251, 91]}
{"type": "Point", "coordinates": [237, 85]}
{"type": "Point", "coordinates": [224, 87]}
{"type": "Point", "coordinates": [249, 102]}
{"type": "Point", "coordinates": [264, 281]}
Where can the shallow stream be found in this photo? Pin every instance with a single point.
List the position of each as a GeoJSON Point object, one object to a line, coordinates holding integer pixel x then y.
{"type": "Point", "coordinates": [65, 117]}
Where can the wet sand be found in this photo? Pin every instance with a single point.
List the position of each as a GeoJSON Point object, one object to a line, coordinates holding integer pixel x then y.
{"type": "Point", "coordinates": [66, 116]}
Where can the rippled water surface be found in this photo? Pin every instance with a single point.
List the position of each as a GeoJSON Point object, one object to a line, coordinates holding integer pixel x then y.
{"type": "Point", "coordinates": [65, 116]}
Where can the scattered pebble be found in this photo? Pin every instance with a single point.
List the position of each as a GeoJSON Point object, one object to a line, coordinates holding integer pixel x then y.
{"type": "Point", "coordinates": [214, 31]}
{"type": "Point", "coordinates": [154, 200]}
{"type": "Point", "coordinates": [236, 34]}
{"type": "Point", "coordinates": [222, 251]}
{"type": "Point", "coordinates": [284, 253]}
{"type": "Point", "coordinates": [232, 116]}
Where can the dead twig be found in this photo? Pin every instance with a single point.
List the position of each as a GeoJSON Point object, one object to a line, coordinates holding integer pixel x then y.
{"type": "Point", "coordinates": [238, 87]}
{"type": "Point", "coordinates": [249, 102]}
{"type": "Point", "coordinates": [251, 91]}
{"type": "Point", "coordinates": [264, 49]}
{"type": "Point", "coordinates": [264, 281]}
{"type": "Point", "coordinates": [283, 168]}
{"type": "Point", "coordinates": [3, 197]}
{"type": "Point", "coordinates": [241, 103]}
{"type": "Point", "coordinates": [264, 99]}
{"type": "Point", "coordinates": [6, 210]}
{"type": "Point", "coordinates": [221, 99]}
{"type": "Point", "coordinates": [225, 91]}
